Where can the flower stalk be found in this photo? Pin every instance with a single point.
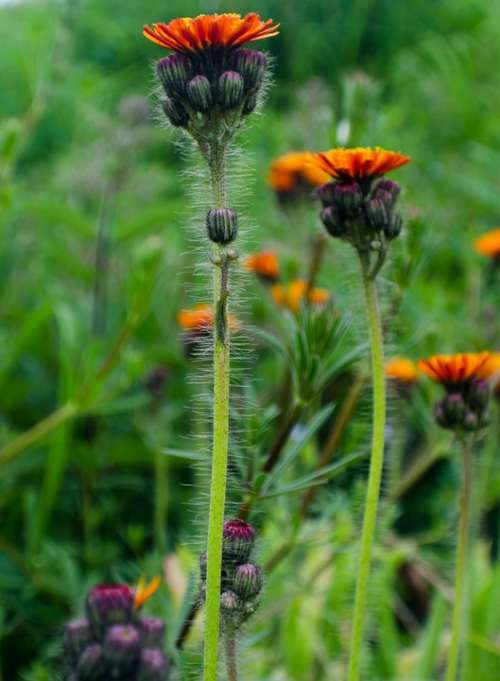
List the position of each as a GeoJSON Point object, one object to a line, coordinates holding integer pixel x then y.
{"type": "Point", "coordinates": [231, 655]}
{"type": "Point", "coordinates": [460, 595]}
{"type": "Point", "coordinates": [375, 475]}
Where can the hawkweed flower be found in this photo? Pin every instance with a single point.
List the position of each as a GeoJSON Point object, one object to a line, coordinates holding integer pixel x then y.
{"type": "Point", "coordinates": [293, 294]}
{"type": "Point", "coordinates": [402, 370]}
{"type": "Point", "coordinates": [491, 372]}
{"type": "Point", "coordinates": [197, 324]}
{"type": "Point", "coordinates": [264, 264]}
{"type": "Point", "coordinates": [358, 204]}
{"type": "Point", "coordinates": [292, 176]}
{"type": "Point", "coordinates": [464, 408]}
{"type": "Point", "coordinates": [211, 82]}
{"type": "Point", "coordinates": [358, 207]}
{"type": "Point", "coordinates": [114, 641]}
{"type": "Point", "coordinates": [488, 244]}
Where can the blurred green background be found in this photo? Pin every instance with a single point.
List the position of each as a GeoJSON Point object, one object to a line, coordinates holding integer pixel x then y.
{"type": "Point", "coordinates": [85, 167]}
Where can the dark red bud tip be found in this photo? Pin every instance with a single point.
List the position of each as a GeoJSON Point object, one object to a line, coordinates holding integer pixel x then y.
{"type": "Point", "coordinates": [238, 529]}
{"type": "Point", "coordinates": [238, 542]}
{"type": "Point", "coordinates": [109, 604]}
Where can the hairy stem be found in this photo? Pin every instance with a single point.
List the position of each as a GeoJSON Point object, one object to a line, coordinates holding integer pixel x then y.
{"type": "Point", "coordinates": [221, 359]}
{"type": "Point", "coordinates": [375, 475]}
{"type": "Point", "coordinates": [459, 610]}
{"type": "Point", "coordinates": [231, 656]}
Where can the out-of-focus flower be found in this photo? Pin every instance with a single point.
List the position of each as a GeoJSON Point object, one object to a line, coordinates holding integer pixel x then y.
{"type": "Point", "coordinates": [360, 163]}
{"type": "Point", "coordinates": [143, 591]}
{"type": "Point", "coordinates": [264, 264]}
{"type": "Point", "coordinates": [210, 31]}
{"type": "Point", "coordinates": [488, 244]}
{"type": "Point", "coordinates": [200, 318]}
{"type": "Point", "coordinates": [293, 175]}
{"type": "Point", "coordinates": [491, 371]}
{"type": "Point", "coordinates": [465, 405]}
{"type": "Point", "coordinates": [291, 295]}
{"type": "Point", "coordinates": [401, 369]}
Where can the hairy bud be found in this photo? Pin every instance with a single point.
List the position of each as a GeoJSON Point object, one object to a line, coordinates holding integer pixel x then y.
{"type": "Point", "coordinates": [387, 191]}
{"type": "Point", "coordinates": [121, 646]}
{"type": "Point", "coordinates": [252, 66]}
{"type": "Point", "coordinates": [175, 112]}
{"type": "Point", "coordinates": [250, 104]}
{"type": "Point", "coordinates": [248, 580]}
{"type": "Point", "coordinates": [222, 225]}
{"type": "Point", "coordinates": [152, 632]}
{"type": "Point", "coordinates": [153, 665]}
{"type": "Point", "coordinates": [478, 395]}
{"type": "Point", "coordinates": [109, 604]}
{"type": "Point", "coordinates": [377, 215]}
{"type": "Point", "coordinates": [332, 222]}
{"type": "Point", "coordinates": [348, 199]}
{"type": "Point", "coordinates": [174, 72]}
{"type": "Point", "coordinates": [238, 540]}
{"type": "Point", "coordinates": [199, 94]}
{"type": "Point", "coordinates": [230, 90]}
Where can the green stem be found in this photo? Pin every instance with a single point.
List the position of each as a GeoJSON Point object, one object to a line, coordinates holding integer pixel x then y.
{"type": "Point", "coordinates": [221, 360]}
{"type": "Point", "coordinates": [459, 610]}
{"type": "Point", "coordinates": [231, 656]}
{"type": "Point", "coordinates": [375, 475]}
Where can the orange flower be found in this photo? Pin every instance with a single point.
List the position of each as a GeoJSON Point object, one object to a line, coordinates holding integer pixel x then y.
{"type": "Point", "coordinates": [207, 30]}
{"type": "Point", "coordinates": [489, 244]}
{"type": "Point", "coordinates": [143, 591]}
{"type": "Point", "coordinates": [401, 369]}
{"type": "Point", "coordinates": [200, 318]}
{"type": "Point", "coordinates": [357, 164]}
{"type": "Point", "coordinates": [265, 264]}
{"type": "Point", "coordinates": [453, 370]}
{"type": "Point", "coordinates": [292, 294]}
{"type": "Point", "coordinates": [294, 168]}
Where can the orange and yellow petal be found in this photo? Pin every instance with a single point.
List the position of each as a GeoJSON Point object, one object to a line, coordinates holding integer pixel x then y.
{"type": "Point", "coordinates": [195, 34]}
{"type": "Point", "coordinates": [199, 317]}
{"type": "Point", "coordinates": [264, 263]}
{"type": "Point", "coordinates": [143, 591]}
{"type": "Point", "coordinates": [488, 244]}
{"type": "Point", "coordinates": [454, 369]}
{"type": "Point", "coordinates": [291, 295]}
{"type": "Point", "coordinates": [401, 369]}
{"type": "Point", "coordinates": [358, 163]}
{"type": "Point", "coordinates": [293, 168]}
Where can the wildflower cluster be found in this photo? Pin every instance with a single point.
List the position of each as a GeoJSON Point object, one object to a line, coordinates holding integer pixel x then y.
{"type": "Point", "coordinates": [211, 83]}
{"type": "Point", "coordinates": [113, 641]}
{"type": "Point", "coordinates": [358, 205]}
{"type": "Point", "coordinates": [464, 378]}
{"type": "Point", "coordinates": [241, 580]}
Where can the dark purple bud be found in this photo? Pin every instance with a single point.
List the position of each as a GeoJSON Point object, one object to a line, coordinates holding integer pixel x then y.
{"type": "Point", "coordinates": [76, 637]}
{"type": "Point", "coordinates": [109, 604]}
{"type": "Point", "coordinates": [248, 580]}
{"type": "Point", "coordinates": [387, 191]}
{"type": "Point", "coordinates": [252, 66]}
{"type": "Point", "coordinates": [121, 646]}
{"type": "Point", "coordinates": [152, 631]}
{"type": "Point", "coordinates": [175, 112]}
{"type": "Point", "coordinates": [222, 225]}
{"type": "Point", "coordinates": [238, 540]}
{"type": "Point", "coordinates": [91, 665]}
{"type": "Point", "coordinates": [230, 90]}
{"type": "Point", "coordinates": [478, 395]}
{"type": "Point", "coordinates": [153, 666]}
{"type": "Point", "coordinates": [377, 215]}
{"type": "Point", "coordinates": [199, 94]}
{"type": "Point", "coordinates": [326, 193]}
{"type": "Point", "coordinates": [331, 220]}
{"type": "Point", "coordinates": [250, 104]}
{"type": "Point", "coordinates": [174, 72]}
{"type": "Point", "coordinates": [394, 226]}
{"type": "Point", "coordinates": [348, 199]}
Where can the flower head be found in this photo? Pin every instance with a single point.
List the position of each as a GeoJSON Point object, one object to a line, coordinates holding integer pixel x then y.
{"type": "Point", "coordinates": [143, 591]}
{"type": "Point", "coordinates": [294, 172]}
{"type": "Point", "coordinates": [454, 370]}
{"type": "Point", "coordinates": [210, 30]}
{"type": "Point", "coordinates": [488, 244]}
{"type": "Point", "coordinates": [361, 163]}
{"type": "Point", "coordinates": [264, 264]}
{"type": "Point", "coordinates": [291, 295]}
{"type": "Point", "coordinates": [401, 369]}
{"type": "Point", "coordinates": [200, 318]}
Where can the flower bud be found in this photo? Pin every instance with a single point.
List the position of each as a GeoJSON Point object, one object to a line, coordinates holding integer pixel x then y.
{"type": "Point", "coordinates": [76, 637]}
{"type": "Point", "coordinates": [348, 199]}
{"type": "Point", "coordinates": [121, 646]}
{"type": "Point", "coordinates": [377, 215]}
{"type": "Point", "coordinates": [394, 226]}
{"type": "Point", "coordinates": [229, 602]}
{"type": "Point", "coordinates": [252, 66]}
{"type": "Point", "coordinates": [152, 631]}
{"type": "Point", "coordinates": [174, 72]}
{"type": "Point", "coordinates": [326, 193]}
{"type": "Point", "coordinates": [450, 411]}
{"type": "Point", "coordinates": [387, 191]}
{"type": "Point", "coordinates": [153, 665]}
{"type": "Point", "coordinates": [250, 104]}
{"type": "Point", "coordinates": [109, 604]}
{"type": "Point", "coordinates": [175, 112]}
{"type": "Point", "coordinates": [200, 94]}
{"type": "Point", "coordinates": [91, 665]}
{"type": "Point", "coordinates": [238, 540]}
{"type": "Point", "coordinates": [230, 90]}
{"type": "Point", "coordinates": [331, 220]}
{"type": "Point", "coordinates": [470, 421]}
{"type": "Point", "coordinates": [248, 580]}
{"type": "Point", "coordinates": [478, 395]}
{"type": "Point", "coordinates": [222, 225]}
